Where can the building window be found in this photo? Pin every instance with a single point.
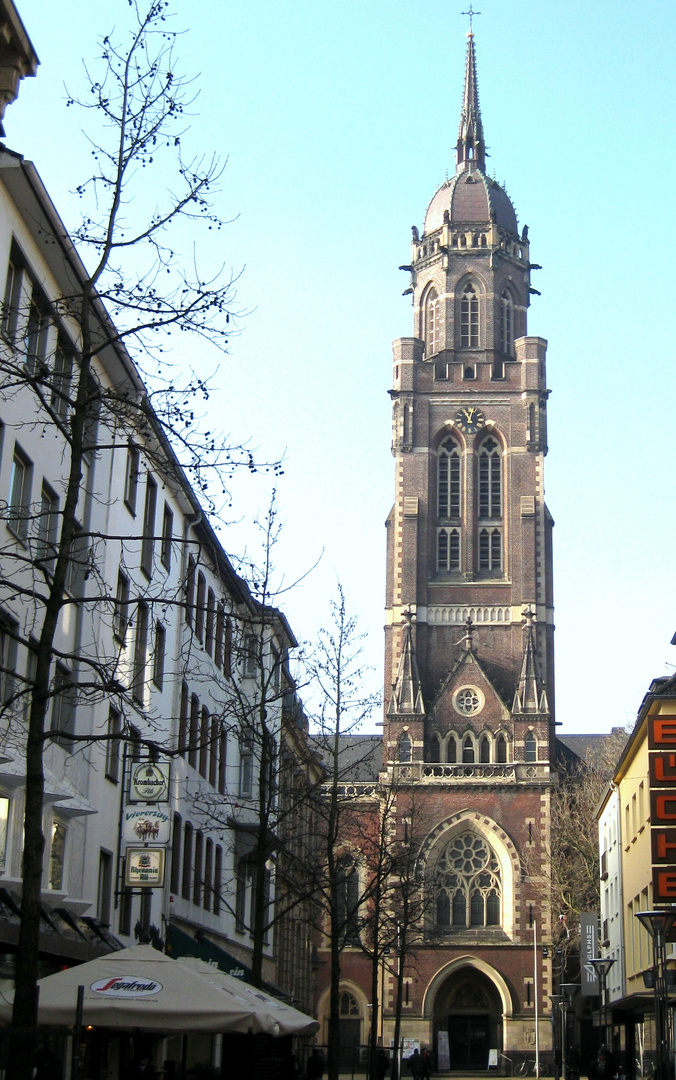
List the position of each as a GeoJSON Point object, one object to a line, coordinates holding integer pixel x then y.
{"type": "Point", "coordinates": [167, 537]}
{"type": "Point", "coordinates": [467, 750]}
{"type": "Point", "coordinates": [63, 702]}
{"type": "Point", "coordinates": [222, 761]}
{"type": "Point", "coordinates": [113, 746]}
{"type": "Point", "coordinates": [158, 654]}
{"type": "Point", "coordinates": [148, 542]}
{"type": "Point", "coordinates": [36, 334]}
{"type": "Point", "coordinates": [197, 879]}
{"type": "Point", "coordinates": [531, 747]}
{"type": "Point", "coordinates": [485, 750]}
{"type": "Point", "coordinates": [431, 329]}
{"type": "Point", "coordinates": [210, 619]}
{"type": "Point", "coordinates": [219, 639]}
{"type": "Point", "coordinates": [199, 609]}
{"type": "Point", "coordinates": [47, 529]}
{"type": "Point", "coordinates": [405, 747]}
{"type": "Point", "coordinates": [218, 879]}
{"type": "Point", "coordinates": [57, 856]}
{"type": "Point", "coordinates": [506, 324]}
{"type": "Point", "coordinates": [448, 481]}
{"type": "Point", "coordinates": [490, 480]}
{"type": "Point", "coordinates": [121, 621]}
{"type": "Point", "coordinates": [140, 652]}
{"type": "Point", "coordinates": [208, 875]}
{"type": "Point", "coordinates": [105, 886]}
{"type": "Point", "coordinates": [183, 720]}
{"type": "Point", "coordinates": [245, 767]}
{"type": "Point", "coordinates": [20, 493]}
{"type": "Point", "coordinates": [467, 884]}
{"type": "Point", "coordinates": [490, 550]}
{"type": "Point", "coordinates": [214, 747]}
{"type": "Point", "coordinates": [347, 900]}
{"type": "Point", "coordinates": [9, 631]}
{"type": "Point", "coordinates": [469, 318]}
{"type": "Point", "coordinates": [205, 734]}
{"type": "Point", "coordinates": [126, 899]}
{"type": "Point", "coordinates": [61, 378]}
{"type": "Point", "coordinates": [227, 649]}
{"type": "Point", "coordinates": [12, 297]}
{"type": "Point", "coordinates": [186, 879]}
{"type": "Point", "coordinates": [190, 591]}
{"type": "Point", "coordinates": [194, 731]}
{"type": "Point", "coordinates": [448, 550]}
{"type": "Point", "coordinates": [250, 655]}
{"type": "Point", "coordinates": [175, 874]}
{"type": "Point", "coordinates": [131, 477]}
{"type": "Point", "coordinates": [241, 877]}
{"type": "Point", "coordinates": [490, 506]}
{"type": "Point", "coordinates": [501, 749]}
{"type": "Point", "coordinates": [435, 749]}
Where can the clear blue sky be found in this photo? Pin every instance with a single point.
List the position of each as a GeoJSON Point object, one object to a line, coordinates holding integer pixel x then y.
{"type": "Point", "coordinates": [338, 121]}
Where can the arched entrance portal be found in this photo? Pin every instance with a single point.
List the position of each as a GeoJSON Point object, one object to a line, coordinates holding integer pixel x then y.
{"type": "Point", "coordinates": [469, 1009]}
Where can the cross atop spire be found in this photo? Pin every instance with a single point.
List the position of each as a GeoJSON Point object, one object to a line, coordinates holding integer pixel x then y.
{"type": "Point", "coordinates": [471, 149]}
{"type": "Point", "coordinates": [471, 14]}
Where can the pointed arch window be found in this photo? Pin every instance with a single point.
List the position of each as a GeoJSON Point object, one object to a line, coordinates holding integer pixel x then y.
{"type": "Point", "coordinates": [490, 554]}
{"type": "Point", "coordinates": [467, 884]}
{"type": "Point", "coordinates": [490, 550]}
{"type": "Point", "coordinates": [435, 749]}
{"type": "Point", "coordinates": [467, 750]}
{"type": "Point", "coordinates": [449, 490]}
{"type": "Point", "coordinates": [347, 900]}
{"type": "Point", "coordinates": [531, 747]}
{"type": "Point", "coordinates": [448, 549]}
{"type": "Point", "coordinates": [501, 749]}
{"type": "Point", "coordinates": [431, 327]}
{"type": "Point", "coordinates": [485, 750]}
{"type": "Point", "coordinates": [452, 750]}
{"type": "Point", "coordinates": [469, 317]}
{"type": "Point", "coordinates": [405, 747]}
{"type": "Point", "coordinates": [506, 323]}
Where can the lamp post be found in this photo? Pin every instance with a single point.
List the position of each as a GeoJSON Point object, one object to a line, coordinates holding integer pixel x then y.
{"type": "Point", "coordinates": [569, 990]}
{"type": "Point", "coordinates": [556, 1000]}
{"type": "Point", "coordinates": [602, 965]}
{"type": "Point", "coordinates": [658, 924]}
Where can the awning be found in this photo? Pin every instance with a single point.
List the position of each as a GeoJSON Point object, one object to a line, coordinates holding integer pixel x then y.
{"type": "Point", "coordinates": [181, 944]}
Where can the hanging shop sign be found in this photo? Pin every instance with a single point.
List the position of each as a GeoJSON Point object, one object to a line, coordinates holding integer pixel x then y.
{"type": "Point", "coordinates": [149, 781]}
{"type": "Point", "coordinates": [146, 825]}
{"type": "Point", "coordinates": [144, 868]}
{"type": "Point", "coordinates": [589, 947]}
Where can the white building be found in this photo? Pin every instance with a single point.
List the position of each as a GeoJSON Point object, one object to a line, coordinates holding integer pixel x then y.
{"type": "Point", "coordinates": [160, 651]}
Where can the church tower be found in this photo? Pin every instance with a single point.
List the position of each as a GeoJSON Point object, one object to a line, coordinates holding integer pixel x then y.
{"type": "Point", "coordinates": [469, 537]}
{"type": "Point", "coordinates": [468, 728]}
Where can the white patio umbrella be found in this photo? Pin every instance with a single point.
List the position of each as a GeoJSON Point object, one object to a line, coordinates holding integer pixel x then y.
{"type": "Point", "coordinates": [142, 988]}
{"type": "Point", "coordinates": [282, 1019]}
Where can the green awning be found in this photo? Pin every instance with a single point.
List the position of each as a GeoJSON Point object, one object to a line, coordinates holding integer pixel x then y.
{"type": "Point", "coordinates": [181, 944]}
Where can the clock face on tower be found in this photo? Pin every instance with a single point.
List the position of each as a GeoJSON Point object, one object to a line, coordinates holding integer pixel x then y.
{"type": "Point", "coordinates": [469, 419]}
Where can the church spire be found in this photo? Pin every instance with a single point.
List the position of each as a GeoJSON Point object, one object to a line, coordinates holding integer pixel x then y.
{"type": "Point", "coordinates": [530, 696]}
{"type": "Point", "coordinates": [406, 691]}
{"type": "Point", "coordinates": [470, 147]}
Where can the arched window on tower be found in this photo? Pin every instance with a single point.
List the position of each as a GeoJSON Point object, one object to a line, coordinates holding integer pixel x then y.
{"type": "Point", "coordinates": [485, 750]}
{"type": "Point", "coordinates": [501, 749]}
{"type": "Point", "coordinates": [490, 507]}
{"type": "Point", "coordinates": [506, 324]}
{"type": "Point", "coordinates": [452, 749]}
{"type": "Point", "coordinates": [405, 747]}
{"type": "Point", "coordinates": [469, 318]}
{"type": "Point", "coordinates": [431, 326]}
{"type": "Point", "coordinates": [467, 882]}
{"type": "Point", "coordinates": [531, 747]}
{"type": "Point", "coordinates": [449, 506]}
{"type": "Point", "coordinates": [467, 750]}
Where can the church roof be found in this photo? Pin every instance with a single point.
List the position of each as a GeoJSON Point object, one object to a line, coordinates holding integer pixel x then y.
{"type": "Point", "coordinates": [470, 197]}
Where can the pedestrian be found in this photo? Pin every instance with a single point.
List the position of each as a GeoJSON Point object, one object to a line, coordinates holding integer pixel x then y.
{"type": "Point", "coordinates": [416, 1064]}
{"type": "Point", "coordinates": [605, 1064]}
{"type": "Point", "coordinates": [427, 1063]}
{"type": "Point", "coordinates": [142, 1068]}
{"type": "Point", "coordinates": [315, 1065]}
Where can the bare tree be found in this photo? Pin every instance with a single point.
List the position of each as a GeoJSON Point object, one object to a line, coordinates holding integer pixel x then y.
{"type": "Point", "coordinates": [337, 675]}
{"type": "Point", "coordinates": [73, 369]}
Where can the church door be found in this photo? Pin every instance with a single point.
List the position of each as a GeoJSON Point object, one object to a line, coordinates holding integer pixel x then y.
{"type": "Point", "coordinates": [468, 1039]}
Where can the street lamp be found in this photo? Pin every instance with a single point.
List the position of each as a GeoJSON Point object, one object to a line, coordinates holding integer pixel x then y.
{"type": "Point", "coordinates": [602, 965]}
{"type": "Point", "coordinates": [569, 990]}
{"type": "Point", "coordinates": [658, 924]}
